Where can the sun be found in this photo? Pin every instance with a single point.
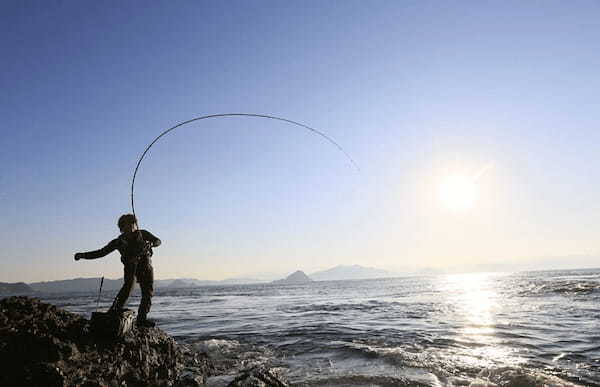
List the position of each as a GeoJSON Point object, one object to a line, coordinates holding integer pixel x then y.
{"type": "Point", "coordinates": [458, 193]}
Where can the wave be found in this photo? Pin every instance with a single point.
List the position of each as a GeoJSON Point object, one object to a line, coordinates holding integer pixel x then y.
{"type": "Point", "coordinates": [213, 346]}
{"type": "Point", "coordinates": [574, 287]}
{"type": "Point", "coordinates": [450, 368]}
{"type": "Point", "coordinates": [360, 380]}
{"type": "Point", "coordinates": [507, 376]}
{"type": "Point", "coordinates": [486, 378]}
{"type": "Point", "coordinates": [413, 310]}
{"type": "Point", "coordinates": [343, 307]}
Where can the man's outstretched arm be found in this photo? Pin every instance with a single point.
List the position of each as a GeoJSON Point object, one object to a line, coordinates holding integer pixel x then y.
{"type": "Point", "coordinates": [109, 248]}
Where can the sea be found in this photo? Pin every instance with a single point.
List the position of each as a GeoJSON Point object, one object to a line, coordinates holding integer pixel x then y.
{"type": "Point", "coordinates": [481, 329]}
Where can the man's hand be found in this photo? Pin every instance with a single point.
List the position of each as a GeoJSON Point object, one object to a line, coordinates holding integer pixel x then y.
{"type": "Point", "coordinates": [78, 256]}
{"type": "Point", "coordinates": [148, 246]}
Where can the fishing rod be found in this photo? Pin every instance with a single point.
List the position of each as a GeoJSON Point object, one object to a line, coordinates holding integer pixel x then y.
{"type": "Point", "coordinates": [266, 116]}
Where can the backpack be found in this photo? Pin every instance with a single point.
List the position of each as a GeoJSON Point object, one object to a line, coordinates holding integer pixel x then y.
{"type": "Point", "coordinates": [133, 245]}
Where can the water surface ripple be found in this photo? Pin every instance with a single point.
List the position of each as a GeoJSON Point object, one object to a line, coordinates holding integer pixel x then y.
{"type": "Point", "coordinates": [534, 328]}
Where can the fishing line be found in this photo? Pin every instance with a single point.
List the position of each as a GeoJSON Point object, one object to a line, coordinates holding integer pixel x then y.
{"type": "Point", "coordinates": [315, 131]}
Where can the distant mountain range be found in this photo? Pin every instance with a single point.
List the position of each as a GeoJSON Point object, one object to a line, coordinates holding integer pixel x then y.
{"type": "Point", "coordinates": [341, 272]}
{"type": "Point", "coordinates": [92, 284]}
{"type": "Point", "coordinates": [351, 272]}
{"type": "Point", "coordinates": [179, 284]}
{"type": "Point", "coordinates": [191, 282]}
{"type": "Point", "coordinates": [338, 273]}
{"type": "Point", "coordinates": [76, 285]}
{"type": "Point", "coordinates": [16, 288]}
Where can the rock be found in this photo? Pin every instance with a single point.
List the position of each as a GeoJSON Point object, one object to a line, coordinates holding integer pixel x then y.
{"type": "Point", "coordinates": [112, 325]}
{"type": "Point", "coordinates": [41, 345]}
{"type": "Point", "coordinates": [258, 377]}
{"type": "Point", "coordinates": [197, 368]}
{"type": "Point", "coordinates": [190, 380]}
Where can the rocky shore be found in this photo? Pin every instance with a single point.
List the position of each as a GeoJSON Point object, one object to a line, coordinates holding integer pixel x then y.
{"type": "Point", "coordinates": [42, 345]}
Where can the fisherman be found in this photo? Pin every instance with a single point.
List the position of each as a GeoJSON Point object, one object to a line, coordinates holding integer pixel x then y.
{"type": "Point", "coordinates": [135, 247]}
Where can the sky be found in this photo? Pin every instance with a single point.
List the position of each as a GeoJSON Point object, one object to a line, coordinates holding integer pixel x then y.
{"type": "Point", "coordinates": [417, 92]}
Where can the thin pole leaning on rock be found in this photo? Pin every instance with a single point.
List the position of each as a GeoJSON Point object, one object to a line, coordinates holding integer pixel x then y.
{"type": "Point", "coordinates": [99, 293]}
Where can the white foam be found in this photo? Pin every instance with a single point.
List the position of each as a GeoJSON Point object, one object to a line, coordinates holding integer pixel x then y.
{"type": "Point", "coordinates": [215, 345]}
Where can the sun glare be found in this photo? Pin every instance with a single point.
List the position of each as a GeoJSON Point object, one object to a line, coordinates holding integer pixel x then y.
{"type": "Point", "coordinates": [458, 192]}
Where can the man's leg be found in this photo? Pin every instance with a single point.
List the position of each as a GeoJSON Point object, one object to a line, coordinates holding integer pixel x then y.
{"type": "Point", "coordinates": [128, 282]}
{"type": "Point", "coordinates": [145, 275]}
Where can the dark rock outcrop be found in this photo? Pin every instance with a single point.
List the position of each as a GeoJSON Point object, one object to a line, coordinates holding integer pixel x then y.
{"type": "Point", "coordinates": [42, 345]}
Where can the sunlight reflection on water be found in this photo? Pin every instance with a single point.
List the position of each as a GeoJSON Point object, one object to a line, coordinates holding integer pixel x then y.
{"type": "Point", "coordinates": [475, 298]}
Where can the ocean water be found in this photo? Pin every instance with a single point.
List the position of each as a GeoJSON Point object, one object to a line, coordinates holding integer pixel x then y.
{"type": "Point", "coordinates": [484, 329]}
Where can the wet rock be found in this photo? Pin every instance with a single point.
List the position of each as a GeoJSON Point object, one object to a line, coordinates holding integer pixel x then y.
{"type": "Point", "coordinates": [41, 345]}
{"type": "Point", "coordinates": [258, 377]}
{"type": "Point", "coordinates": [190, 380]}
{"type": "Point", "coordinates": [112, 325]}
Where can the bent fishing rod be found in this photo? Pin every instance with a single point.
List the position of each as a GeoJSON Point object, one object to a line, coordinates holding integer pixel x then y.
{"type": "Point", "coordinates": [212, 116]}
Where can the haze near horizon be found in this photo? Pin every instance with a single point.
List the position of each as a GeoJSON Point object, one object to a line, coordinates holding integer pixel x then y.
{"type": "Point", "coordinates": [474, 125]}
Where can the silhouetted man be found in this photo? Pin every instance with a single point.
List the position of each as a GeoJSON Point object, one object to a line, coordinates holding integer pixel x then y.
{"type": "Point", "coordinates": [135, 247]}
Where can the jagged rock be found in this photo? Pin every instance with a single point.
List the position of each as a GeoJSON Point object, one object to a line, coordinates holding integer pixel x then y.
{"type": "Point", "coordinates": [112, 325]}
{"type": "Point", "coordinates": [258, 377]}
{"type": "Point", "coordinates": [197, 368]}
{"type": "Point", "coordinates": [42, 345]}
{"type": "Point", "coordinates": [190, 381]}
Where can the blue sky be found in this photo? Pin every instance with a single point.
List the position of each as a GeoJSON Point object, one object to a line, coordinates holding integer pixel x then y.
{"type": "Point", "coordinates": [414, 91]}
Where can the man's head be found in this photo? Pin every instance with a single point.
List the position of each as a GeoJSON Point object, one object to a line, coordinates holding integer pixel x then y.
{"type": "Point", "coordinates": [127, 223]}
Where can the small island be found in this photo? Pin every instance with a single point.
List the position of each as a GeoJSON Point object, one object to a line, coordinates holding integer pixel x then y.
{"type": "Point", "coordinates": [297, 277]}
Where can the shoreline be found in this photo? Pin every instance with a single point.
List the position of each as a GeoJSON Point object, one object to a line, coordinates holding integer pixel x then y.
{"type": "Point", "coordinates": [43, 345]}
